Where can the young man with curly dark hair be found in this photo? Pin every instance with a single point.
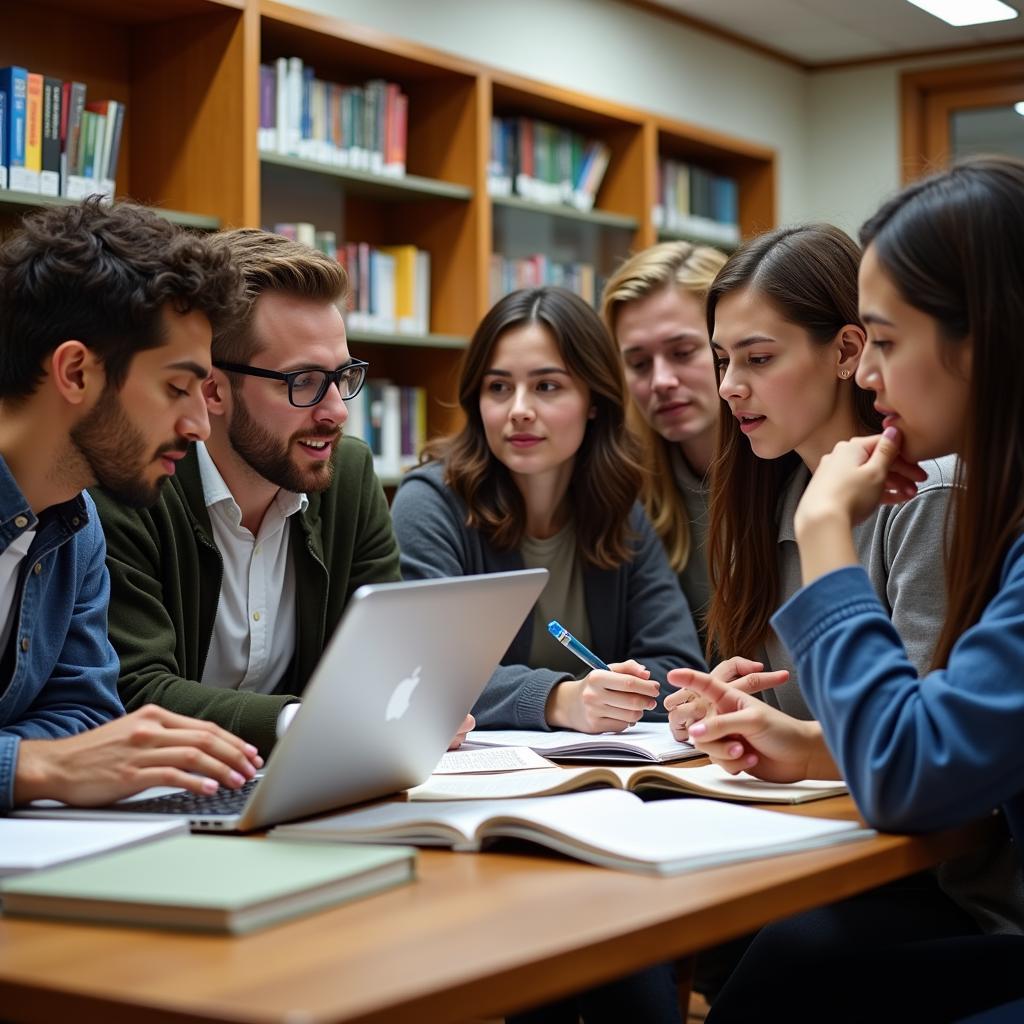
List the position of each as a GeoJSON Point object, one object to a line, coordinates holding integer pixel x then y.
{"type": "Point", "coordinates": [106, 316]}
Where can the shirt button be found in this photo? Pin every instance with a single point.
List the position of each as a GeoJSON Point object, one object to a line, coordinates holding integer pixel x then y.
{"type": "Point", "coordinates": [24, 643]}
{"type": "Point", "coordinates": [255, 616]}
{"type": "Point", "coordinates": [20, 522]}
{"type": "Point", "coordinates": [37, 568]}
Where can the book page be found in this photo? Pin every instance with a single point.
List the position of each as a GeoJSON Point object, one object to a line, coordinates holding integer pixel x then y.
{"type": "Point", "coordinates": [30, 843]}
{"type": "Point", "coordinates": [491, 759]}
{"type": "Point", "coordinates": [649, 740]}
{"type": "Point", "coordinates": [616, 828]}
{"type": "Point", "coordinates": [509, 785]}
{"type": "Point", "coordinates": [713, 780]}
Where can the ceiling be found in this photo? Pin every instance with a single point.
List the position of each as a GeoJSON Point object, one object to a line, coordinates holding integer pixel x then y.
{"type": "Point", "coordinates": [814, 32]}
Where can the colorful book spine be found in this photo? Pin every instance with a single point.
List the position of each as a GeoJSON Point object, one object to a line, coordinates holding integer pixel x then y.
{"type": "Point", "coordinates": [14, 83]}
{"type": "Point", "coordinates": [49, 176]}
{"type": "Point", "coordinates": [3, 139]}
{"type": "Point", "coordinates": [72, 108]}
{"type": "Point", "coordinates": [33, 131]}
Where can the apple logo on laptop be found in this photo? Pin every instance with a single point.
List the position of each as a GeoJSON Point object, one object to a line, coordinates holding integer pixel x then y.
{"type": "Point", "coordinates": [398, 702]}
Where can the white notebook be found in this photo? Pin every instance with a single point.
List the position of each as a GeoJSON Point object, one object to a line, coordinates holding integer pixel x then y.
{"type": "Point", "coordinates": [27, 844]}
{"type": "Point", "coordinates": [611, 828]}
{"type": "Point", "coordinates": [647, 741]}
{"type": "Point", "coordinates": [703, 780]}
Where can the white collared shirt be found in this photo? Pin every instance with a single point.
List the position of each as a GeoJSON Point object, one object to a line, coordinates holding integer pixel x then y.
{"type": "Point", "coordinates": [254, 631]}
{"type": "Point", "coordinates": [10, 562]}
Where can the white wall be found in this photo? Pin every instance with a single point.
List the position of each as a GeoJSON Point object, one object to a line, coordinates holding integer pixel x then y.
{"type": "Point", "coordinates": [621, 53]}
{"type": "Point", "coordinates": [853, 136]}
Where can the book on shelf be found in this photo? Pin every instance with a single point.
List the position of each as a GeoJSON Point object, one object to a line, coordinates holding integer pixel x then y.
{"type": "Point", "coordinates": [14, 86]}
{"type": "Point", "coordinates": [27, 844]}
{"type": "Point", "coordinates": [545, 163]}
{"type": "Point", "coordinates": [364, 127]}
{"type": "Point", "coordinates": [645, 741]}
{"type": "Point", "coordinates": [611, 828]}
{"type": "Point", "coordinates": [389, 285]}
{"type": "Point", "coordinates": [390, 288]}
{"type": "Point", "coordinates": [209, 883]}
{"type": "Point", "coordinates": [694, 201]}
{"type": "Point", "coordinates": [508, 275]}
{"type": "Point", "coordinates": [707, 780]}
{"type": "Point", "coordinates": [392, 420]}
{"type": "Point", "coordinates": [3, 139]}
{"type": "Point", "coordinates": [54, 143]}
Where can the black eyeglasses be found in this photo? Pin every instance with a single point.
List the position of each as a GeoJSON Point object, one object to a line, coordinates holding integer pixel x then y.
{"type": "Point", "coordinates": [307, 387]}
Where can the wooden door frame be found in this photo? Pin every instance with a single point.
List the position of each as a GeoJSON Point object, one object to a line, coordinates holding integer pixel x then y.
{"type": "Point", "coordinates": [928, 96]}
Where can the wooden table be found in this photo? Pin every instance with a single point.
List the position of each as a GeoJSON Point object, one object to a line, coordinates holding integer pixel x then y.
{"type": "Point", "coordinates": [477, 935]}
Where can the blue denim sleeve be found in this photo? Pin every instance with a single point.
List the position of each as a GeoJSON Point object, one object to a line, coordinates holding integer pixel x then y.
{"type": "Point", "coordinates": [918, 753]}
{"type": "Point", "coordinates": [81, 689]}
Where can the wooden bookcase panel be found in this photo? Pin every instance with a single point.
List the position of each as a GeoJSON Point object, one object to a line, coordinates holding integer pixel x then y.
{"type": "Point", "coordinates": [178, 65]}
{"type": "Point", "coordinates": [437, 370]}
{"type": "Point", "coordinates": [751, 165]}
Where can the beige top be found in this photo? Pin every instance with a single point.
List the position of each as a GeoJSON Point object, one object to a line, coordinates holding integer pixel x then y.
{"type": "Point", "coordinates": [562, 599]}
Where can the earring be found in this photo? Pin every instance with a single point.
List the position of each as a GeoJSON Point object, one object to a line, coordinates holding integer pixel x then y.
{"type": "Point", "coordinates": [844, 374]}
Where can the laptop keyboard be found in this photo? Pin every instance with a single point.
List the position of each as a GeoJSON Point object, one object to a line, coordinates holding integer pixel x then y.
{"type": "Point", "coordinates": [224, 801]}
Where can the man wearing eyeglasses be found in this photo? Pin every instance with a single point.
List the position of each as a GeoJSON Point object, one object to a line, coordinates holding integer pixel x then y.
{"type": "Point", "coordinates": [224, 593]}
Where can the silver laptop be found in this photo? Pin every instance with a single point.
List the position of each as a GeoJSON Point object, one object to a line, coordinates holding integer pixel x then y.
{"type": "Point", "coordinates": [405, 664]}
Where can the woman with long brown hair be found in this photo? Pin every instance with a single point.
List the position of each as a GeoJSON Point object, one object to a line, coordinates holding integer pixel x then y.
{"type": "Point", "coordinates": [941, 296]}
{"type": "Point", "coordinates": [544, 473]}
{"type": "Point", "coordinates": [787, 339]}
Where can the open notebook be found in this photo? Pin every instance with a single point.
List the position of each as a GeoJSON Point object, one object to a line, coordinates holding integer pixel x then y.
{"type": "Point", "coordinates": [610, 828]}
{"type": "Point", "coordinates": [704, 780]}
{"type": "Point", "coordinates": [646, 741]}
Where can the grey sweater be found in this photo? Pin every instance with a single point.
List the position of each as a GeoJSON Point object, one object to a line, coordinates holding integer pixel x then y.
{"type": "Point", "coordinates": [901, 547]}
{"type": "Point", "coordinates": [635, 611]}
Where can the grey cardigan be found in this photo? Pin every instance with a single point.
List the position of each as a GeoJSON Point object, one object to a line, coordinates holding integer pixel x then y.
{"type": "Point", "coordinates": [901, 547]}
{"type": "Point", "coordinates": [636, 610]}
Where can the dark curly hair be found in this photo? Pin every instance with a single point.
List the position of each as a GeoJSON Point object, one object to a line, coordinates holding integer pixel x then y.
{"type": "Point", "coordinates": [102, 274]}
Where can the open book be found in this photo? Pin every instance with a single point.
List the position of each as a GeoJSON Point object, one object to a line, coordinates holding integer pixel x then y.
{"type": "Point", "coordinates": [647, 741]}
{"type": "Point", "coordinates": [607, 827]}
{"type": "Point", "coordinates": [705, 780]}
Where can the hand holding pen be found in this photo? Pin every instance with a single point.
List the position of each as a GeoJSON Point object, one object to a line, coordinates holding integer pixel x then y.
{"type": "Point", "coordinates": [610, 698]}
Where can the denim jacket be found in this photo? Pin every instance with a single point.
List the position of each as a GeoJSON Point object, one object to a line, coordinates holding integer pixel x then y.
{"type": "Point", "coordinates": [64, 679]}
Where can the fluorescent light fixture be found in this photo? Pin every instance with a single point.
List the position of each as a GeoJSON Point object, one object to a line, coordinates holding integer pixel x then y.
{"type": "Point", "coordinates": [967, 12]}
{"type": "Point", "coordinates": [1019, 107]}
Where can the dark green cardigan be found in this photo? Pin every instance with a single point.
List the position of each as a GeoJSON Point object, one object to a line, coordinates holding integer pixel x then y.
{"type": "Point", "coordinates": [165, 576]}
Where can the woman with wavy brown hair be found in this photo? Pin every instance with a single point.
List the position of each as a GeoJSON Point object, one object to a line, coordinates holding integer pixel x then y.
{"type": "Point", "coordinates": [920, 748]}
{"type": "Point", "coordinates": [544, 474]}
{"type": "Point", "coordinates": [787, 339]}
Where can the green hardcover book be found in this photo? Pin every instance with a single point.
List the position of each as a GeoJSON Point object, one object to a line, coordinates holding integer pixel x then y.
{"type": "Point", "coordinates": [209, 883]}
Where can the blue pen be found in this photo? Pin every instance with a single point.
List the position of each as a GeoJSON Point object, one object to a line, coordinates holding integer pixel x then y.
{"type": "Point", "coordinates": [566, 639]}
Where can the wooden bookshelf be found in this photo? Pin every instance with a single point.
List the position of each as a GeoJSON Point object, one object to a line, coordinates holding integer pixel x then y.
{"type": "Point", "coordinates": [188, 72]}
{"type": "Point", "coordinates": [178, 65]}
{"type": "Point", "coordinates": [18, 202]}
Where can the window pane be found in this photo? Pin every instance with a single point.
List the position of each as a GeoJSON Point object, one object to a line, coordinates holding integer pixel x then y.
{"type": "Point", "coordinates": [986, 130]}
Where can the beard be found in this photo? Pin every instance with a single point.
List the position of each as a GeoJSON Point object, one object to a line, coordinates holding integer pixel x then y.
{"type": "Point", "coordinates": [115, 451]}
{"type": "Point", "coordinates": [270, 457]}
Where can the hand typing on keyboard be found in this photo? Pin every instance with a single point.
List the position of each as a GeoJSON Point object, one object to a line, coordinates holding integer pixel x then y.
{"type": "Point", "coordinates": [149, 747]}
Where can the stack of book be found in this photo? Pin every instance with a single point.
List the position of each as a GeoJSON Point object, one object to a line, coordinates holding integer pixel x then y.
{"type": "Point", "coordinates": [361, 127]}
{"type": "Point", "coordinates": [545, 162]}
{"type": "Point", "coordinates": [392, 420]}
{"type": "Point", "coordinates": [389, 284]}
{"type": "Point", "coordinates": [52, 141]}
{"type": "Point", "coordinates": [507, 275]}
{"type": "Point", "coordinates": [155, 874]}
{"type": "Point", "coordinates": [694, 201]}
